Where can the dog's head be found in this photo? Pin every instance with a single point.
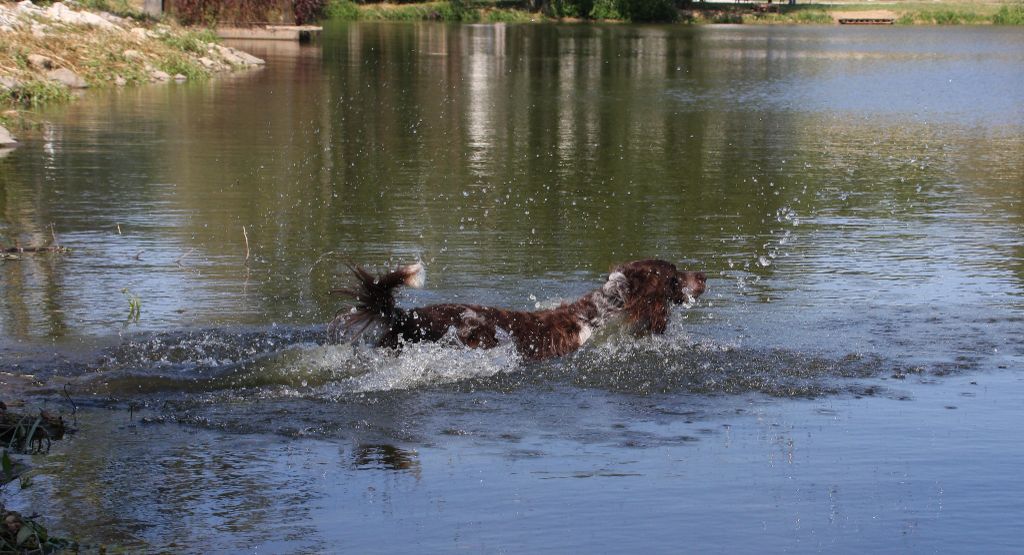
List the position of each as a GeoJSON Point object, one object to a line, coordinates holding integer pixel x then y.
{"type": "Point", "coordinates": [647, 288]}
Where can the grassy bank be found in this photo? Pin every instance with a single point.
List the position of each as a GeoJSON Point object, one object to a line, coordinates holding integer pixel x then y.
{"type": "Point", "coordinates": [48, 51]}
{"type": "Point", "coordinates": [430, 11]}
{"type": "Point", "coordinates": [905, 13]}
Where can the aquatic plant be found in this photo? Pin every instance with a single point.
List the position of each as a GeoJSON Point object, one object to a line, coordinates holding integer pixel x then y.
{"type": "Point", "coordinates": [134, 305]}
{"type": "Point", "coordinates": [20, 534]}
{"type": "Point", "coordinates": [34, 94]}
{"type": "Point", "coordinates": [7, 465]}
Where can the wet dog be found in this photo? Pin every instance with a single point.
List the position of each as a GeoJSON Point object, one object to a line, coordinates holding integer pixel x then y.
{"type": "Point", "coordinates": [640, 292]}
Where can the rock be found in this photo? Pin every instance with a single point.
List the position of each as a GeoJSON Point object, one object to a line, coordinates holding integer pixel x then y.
{"type": "Point", "coordinates": [60, 12]}
{"type": "Point", "coordinates": [27, 7]}
{"type": "Point", "coordinates": [6, 139]}
{"type": "Point", "coordinates": [67, 77]}
{"type": "Point", "coordinates": [210, 64]}
{"type": "Point", "coordinates": [158, 75]}
{"type": "Point", "coordinates": [116, 20]}
{"type": "Point", "coordinates": [8, 83]}
{"type": "Point", "coordinates": [229, 56]}
{"type": "Point", "coordinates": [120, 81]}
{"type": "Point", "coordinates": [139, 34]}
{"type": "Point", "coordinates": [133, 55]}
{"type": "Point", "coordinates": [8, 19]}
{"type": "Point", "coordinates": [237, 57]}
{"type": "Point", "coordinates": [249, 58]}
{"type": "Point", "coordinates": [180, 78]}
{"type": "Point", "coordinates": [39, 61]}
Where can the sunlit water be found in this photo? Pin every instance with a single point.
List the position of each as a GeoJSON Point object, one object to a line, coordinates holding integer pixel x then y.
{"type": "Point", "coordinates": [851, 379]}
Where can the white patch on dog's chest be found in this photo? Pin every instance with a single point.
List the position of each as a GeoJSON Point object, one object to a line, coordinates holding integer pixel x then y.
{"type": "Point", "coordinates": [585, 333]}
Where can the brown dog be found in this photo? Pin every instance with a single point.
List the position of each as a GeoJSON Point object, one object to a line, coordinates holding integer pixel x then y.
{"type": "Point", "coordinates": [640, 291]}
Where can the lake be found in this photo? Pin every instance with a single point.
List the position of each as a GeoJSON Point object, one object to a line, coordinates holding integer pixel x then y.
{"type": "Point", "coordinates": [850, 381]}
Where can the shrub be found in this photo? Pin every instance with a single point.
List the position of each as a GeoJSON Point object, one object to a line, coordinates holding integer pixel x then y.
{"type": "Point", "coordinates": [570, 8]}
{"type": "Point", "coordinates": [648, 10]}
{"type": "Point", "coordinates": [812, 16]}
{"type": "Point", "coordinates": [1009, 15]}
{"type": "Point", "coordinates": [210, 12]}
{"type": "Point", "coordinates": [605, 9]}
{"type": "Point", "coordinates": [308, 11]}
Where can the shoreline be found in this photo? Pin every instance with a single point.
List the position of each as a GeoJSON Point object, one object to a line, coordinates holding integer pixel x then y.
{"type": "Point", "coordinates": [48, 53]}
{"type": "Point", "coordinates": [697, 13]}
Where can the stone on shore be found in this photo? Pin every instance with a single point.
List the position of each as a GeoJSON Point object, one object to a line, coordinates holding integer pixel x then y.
{"type": "Point", "coordinates": [209, 64]}
{"type": "Point", "coordinates": [9, 83]}
{"type": "Point", "coordinates": [6, 139]}
{"type": "Point", "coordinates": [60, 12]}
{"type": "Point", "coordinates": [157, 75]}
{"type": "Point", "coordinates": [27, 7]}
{"type": "Point", "coordinates": [39, 61]}
{"type": "Point", "coordinates": [67, 77]}
{"type": "Point", "coordinates": [237, 57]}
{"type": "Point", "coordinates": [180, 78]}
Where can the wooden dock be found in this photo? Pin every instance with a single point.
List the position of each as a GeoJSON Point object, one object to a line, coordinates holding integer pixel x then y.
{"type": "Point", "coordinates": [866, 21]}
{"type": "Point", "coordinates": [300, 33]}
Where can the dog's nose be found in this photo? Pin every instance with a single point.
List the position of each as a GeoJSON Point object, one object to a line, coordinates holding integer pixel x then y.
{"type": "Point", "coordinates": [701, 277]}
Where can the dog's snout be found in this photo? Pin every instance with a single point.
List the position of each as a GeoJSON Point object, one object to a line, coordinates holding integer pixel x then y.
{"type": "Point", "coordinates": [701, 277]}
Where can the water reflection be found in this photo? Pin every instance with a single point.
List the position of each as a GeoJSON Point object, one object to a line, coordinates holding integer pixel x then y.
{"type": "Point", "coordinates": [385, 457]}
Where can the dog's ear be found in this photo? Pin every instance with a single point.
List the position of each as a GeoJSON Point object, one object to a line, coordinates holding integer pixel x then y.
{"type": "Point", "coordinates": [617, 286]}
{"type": "Point", "coordinates": [415, 275]}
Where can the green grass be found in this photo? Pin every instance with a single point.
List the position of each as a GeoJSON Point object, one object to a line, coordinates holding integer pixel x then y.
{"type": "Point", "coordinates": [508, 16]}
{"type": "Point", "coordinates": [788, 15]}
{"type": "Point", "coordinates": [1010, 15]}
{"type": "Point", "coordinates": [945, 16]}
{"type": "Point", "coordinates": [454, 11]}
{"type": "Point", "coordinates": [342, 10]}
{"type": "Point", "coordinates": [191, 40]}
{"type": "Point", "coordinates": [174, 64]}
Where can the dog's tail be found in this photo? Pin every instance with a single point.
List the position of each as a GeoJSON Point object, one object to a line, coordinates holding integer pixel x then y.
{"type": "Point", "coordinates": [374, 298]}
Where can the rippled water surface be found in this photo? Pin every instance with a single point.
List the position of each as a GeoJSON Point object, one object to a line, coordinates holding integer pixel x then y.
{"type": "Point", "coordinates": [850, 381]}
